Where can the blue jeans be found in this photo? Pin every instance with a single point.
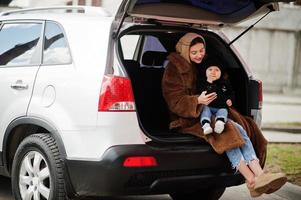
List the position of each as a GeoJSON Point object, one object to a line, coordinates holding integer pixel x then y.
{"type": "Point", "coordinates": [218, 112]}
{"type": "Point", "coordinates": [245, 152]}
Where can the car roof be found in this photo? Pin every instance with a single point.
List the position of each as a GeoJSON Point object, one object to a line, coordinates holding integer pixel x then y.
{"type": "Point", "coordinates": [55, 17]}
{"type": "Point", "coordinates": [60, 14]}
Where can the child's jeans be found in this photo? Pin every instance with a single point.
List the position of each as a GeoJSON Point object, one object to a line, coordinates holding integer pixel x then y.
{"type": "Point", "coordinates": [218, 112]}
{"type": "Point", "coordinates": [245, 152]}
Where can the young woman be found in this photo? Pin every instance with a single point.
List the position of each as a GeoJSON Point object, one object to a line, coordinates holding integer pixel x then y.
{"type": "Point", "coordinates": [185, 105]}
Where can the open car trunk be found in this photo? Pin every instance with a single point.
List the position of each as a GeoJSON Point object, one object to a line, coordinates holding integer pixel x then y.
{"type": "Point", "coordinates": [144, 51]}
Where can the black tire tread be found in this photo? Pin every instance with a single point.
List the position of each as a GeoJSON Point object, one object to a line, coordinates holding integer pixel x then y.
{"type": "Point", "coordinates": [51, 143]}
{"type": "Point", "coordinates": [47, 142]}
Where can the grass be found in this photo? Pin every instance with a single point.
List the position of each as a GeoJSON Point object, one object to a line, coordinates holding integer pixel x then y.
{"type": "Point", "coordinates": [284, 124]}
{"type": "Point", "coordinates": [285, 158]}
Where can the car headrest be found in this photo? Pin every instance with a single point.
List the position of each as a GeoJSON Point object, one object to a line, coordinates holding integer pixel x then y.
{"type": "Point", "coordinates": [154, 58]}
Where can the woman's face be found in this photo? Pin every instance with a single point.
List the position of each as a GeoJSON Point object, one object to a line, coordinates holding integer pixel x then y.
{"type": "Point", "coordinates": [197, 53]}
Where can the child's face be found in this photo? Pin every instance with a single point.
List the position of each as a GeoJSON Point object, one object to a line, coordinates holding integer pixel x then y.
{"type": "Point", "coordinates": [213, 73]}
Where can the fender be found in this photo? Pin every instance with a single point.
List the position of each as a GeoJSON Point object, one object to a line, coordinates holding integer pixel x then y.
{"type": "Point", "coordinates": [34, 121]}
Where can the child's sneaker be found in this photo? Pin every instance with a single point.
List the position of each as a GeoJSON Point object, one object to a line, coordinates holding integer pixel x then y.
{"type": "Point", "coordinates": [207, 129]}
{"type": "Point", "coordinates": [219, 126]}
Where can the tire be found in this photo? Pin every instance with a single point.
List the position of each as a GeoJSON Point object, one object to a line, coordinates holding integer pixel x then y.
{"type": "Point", "coordinates": [37, 171]}
{"type": "Point", "coordinates": [204, 194]}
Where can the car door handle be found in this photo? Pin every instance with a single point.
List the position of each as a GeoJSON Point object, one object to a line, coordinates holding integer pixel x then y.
{"type": "Point", "coordinates": [19, 85]}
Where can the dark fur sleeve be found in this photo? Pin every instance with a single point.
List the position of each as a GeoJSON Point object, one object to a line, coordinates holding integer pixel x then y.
{"type": "Point", "coordinates": [176, 95]}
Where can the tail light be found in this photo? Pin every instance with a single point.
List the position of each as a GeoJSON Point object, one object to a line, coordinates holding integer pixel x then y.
{"type": "Point", "coordinates": [140, 161]}
{"type": "Point", "coordinates": [260, 94]}
{"type": "Point", "coordinates": [116, 95]}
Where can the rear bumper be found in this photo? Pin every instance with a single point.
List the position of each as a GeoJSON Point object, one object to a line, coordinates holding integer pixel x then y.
{"type": "Point", "coordinates": [183, 169]}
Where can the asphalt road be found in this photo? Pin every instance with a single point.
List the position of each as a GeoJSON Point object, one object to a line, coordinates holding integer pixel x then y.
{"type": "Point", "coordinates": [288, 192]}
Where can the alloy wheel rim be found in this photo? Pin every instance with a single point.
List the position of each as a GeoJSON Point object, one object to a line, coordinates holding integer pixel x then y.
{"type": "Point", "coordinates": [34, 177]}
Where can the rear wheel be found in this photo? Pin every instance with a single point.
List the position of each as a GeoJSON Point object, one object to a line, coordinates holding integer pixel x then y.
{"type": "Point", "coordinates": [37, 172]}
{"type": "Point", "coordinates": [204, 194]}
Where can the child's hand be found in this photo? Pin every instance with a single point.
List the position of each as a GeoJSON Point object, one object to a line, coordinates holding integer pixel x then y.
{"type": "Point", "coordinates": [229, 102]}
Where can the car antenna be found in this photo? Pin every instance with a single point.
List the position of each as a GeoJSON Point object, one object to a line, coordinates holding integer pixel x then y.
{"type": "Point", "coordinates": [271, 9]}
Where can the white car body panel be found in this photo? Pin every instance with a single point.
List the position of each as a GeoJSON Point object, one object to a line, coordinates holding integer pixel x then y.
{"type": "Point", "coordinates": [70, 82]}
{"type": "Point", "coordinates": [112, 129]}
{"type": "Point", "coordinates": [15, 102]}
{"type": "Point", "coordinates": [58, 96]}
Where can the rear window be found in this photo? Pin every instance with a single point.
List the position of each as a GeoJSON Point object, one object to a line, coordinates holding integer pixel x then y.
{"type": "Point", "coordinates": [56, 49]}
{"type": "Point", "coordinates": [152, 44]}
{"type": "Point", "coordinates": [129, 46]}
{"type": "Point", "coordinates": [215, 6]}
{"type": "Point", "coordinates": [147, 50]}
{"type": "Point", "coordinates": [153, 53]}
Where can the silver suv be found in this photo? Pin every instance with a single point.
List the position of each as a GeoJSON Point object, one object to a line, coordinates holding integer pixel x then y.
{"type": "Point", "coordinates": [82, 112]}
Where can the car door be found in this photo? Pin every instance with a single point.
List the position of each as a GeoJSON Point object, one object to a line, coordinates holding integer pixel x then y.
{"type": "Point", "coordinates": [20, 57]}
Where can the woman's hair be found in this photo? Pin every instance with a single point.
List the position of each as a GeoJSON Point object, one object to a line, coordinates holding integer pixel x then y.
{"type": "Point", "coordinates": [196, 41]}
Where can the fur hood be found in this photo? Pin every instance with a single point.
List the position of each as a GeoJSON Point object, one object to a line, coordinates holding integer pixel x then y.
{"type": "Point", "coordinates": [183, 45]}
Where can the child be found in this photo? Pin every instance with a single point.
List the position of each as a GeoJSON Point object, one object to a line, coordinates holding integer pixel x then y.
{"type": "Point", "coordinates": [215, 83]}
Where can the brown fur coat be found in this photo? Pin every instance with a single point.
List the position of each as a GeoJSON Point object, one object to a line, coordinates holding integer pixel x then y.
{"type": "Point", "coordinates": [179, 91]}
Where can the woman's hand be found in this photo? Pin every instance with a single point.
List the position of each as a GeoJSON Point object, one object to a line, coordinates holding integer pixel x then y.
{"type": "Point", "coordinates": [206, 99]}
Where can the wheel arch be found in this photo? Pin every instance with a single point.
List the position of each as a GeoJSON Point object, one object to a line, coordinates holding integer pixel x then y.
{"type": "Point", "coordinates": [19, 129]}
